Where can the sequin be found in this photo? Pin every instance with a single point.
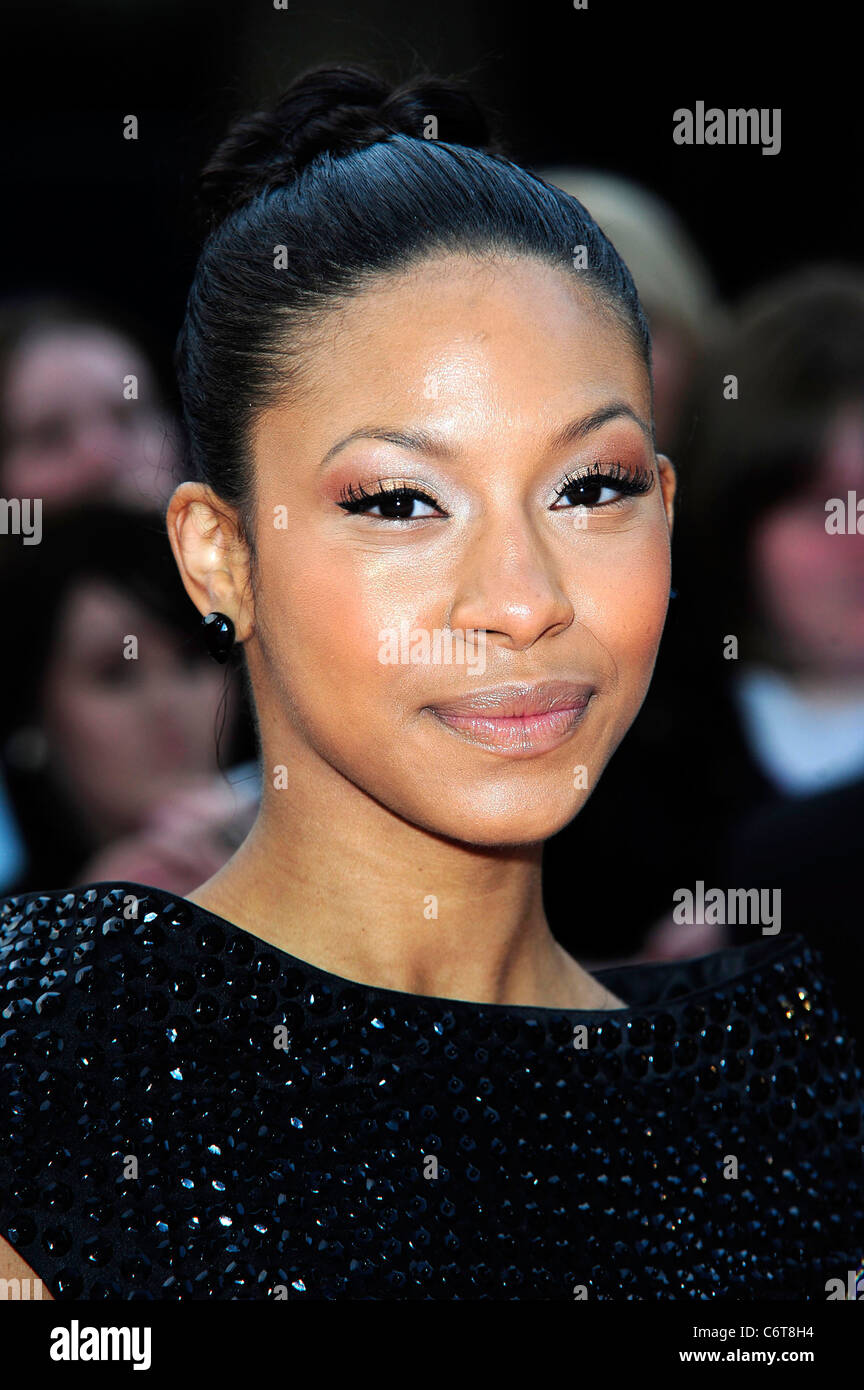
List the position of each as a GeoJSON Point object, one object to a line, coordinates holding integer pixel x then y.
{"type": "Point", "coordinates": [190, 1113]}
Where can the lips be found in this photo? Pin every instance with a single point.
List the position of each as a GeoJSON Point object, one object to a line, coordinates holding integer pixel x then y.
{"type": "Point", "coordinates": [518, 701]}
{"type": "Point", "coordinates": [517, 720]}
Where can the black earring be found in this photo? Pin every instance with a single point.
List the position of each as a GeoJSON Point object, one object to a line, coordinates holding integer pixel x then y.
{"type": "Point", "coordinates": [218, 636]}
{"type": "Point", "coordinates": [673, 593]}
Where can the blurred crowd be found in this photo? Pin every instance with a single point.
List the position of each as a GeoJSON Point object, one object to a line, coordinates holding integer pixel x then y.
{"type": "Point", "coordinates": [125, 752]}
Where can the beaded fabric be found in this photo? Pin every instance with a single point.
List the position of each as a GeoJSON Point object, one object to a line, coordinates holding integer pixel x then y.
{"type": "Point", "coordinates": [187, 1112]}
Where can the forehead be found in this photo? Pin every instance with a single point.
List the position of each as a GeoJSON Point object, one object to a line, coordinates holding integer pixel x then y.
{"type": "Point", "coordinates": [512, 334]}
{"type": "Point", "coordinates": [59, 364]}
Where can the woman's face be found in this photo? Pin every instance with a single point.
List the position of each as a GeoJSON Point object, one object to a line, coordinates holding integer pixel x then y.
{"type": "Point", "coordinates": [125, 733]}
{"type": "Point", "coordinates": [475, 370]}
{"type": "Point", "coordinates": [71, 431]}
{"type": "Point", "coordinates": [809, 579]}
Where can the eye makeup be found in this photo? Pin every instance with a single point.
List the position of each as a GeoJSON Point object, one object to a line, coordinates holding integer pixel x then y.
{"type": "Point", "coordinates": [399, 497]}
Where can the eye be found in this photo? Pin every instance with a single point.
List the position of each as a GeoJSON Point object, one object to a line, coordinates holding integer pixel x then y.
{"type": "Point", "coordinates": [52, 433]}
{"type": "Point", "coordinates": [393, 503]}
{"type": "Point", "coordinates": [114, 672]}
{"type": "Point", "coordinates": [590, 493]}
{"type": "Point", "coordinates": [604, 484]}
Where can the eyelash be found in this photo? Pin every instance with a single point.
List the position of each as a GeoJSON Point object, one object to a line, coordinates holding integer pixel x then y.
{"type": "Point", "coordinates": [630, 483]}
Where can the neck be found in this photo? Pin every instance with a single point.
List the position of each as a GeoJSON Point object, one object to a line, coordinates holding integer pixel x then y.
{"type": "Point", "coordinates": [333, 877]}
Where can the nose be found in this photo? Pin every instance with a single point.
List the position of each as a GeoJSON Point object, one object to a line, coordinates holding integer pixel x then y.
{"type": "Point", "coordinates": [509, 587]}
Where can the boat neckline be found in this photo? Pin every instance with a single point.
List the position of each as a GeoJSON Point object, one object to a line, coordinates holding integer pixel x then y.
{"type": "Point", "coordinates": [750, 956]}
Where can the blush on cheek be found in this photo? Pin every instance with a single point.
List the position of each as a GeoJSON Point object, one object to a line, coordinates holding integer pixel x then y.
{"type": "Point", "coordinates": [338, 609]}
{"type": "Point", "coordinates": [344, 631]}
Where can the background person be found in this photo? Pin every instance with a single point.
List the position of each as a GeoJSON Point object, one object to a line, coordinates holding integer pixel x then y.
{"type": "Point", "coordinates": [71, 429]}
{"type": "Point", "coordinates": [108, 760]}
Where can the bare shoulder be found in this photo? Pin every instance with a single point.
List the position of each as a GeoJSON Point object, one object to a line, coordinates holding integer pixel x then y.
{"type": "Point", "coordinates": [13, 1274]}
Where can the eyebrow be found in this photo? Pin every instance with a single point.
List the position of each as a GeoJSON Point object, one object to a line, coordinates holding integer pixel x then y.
{"type": "Point", "coordinates": [424, 442]}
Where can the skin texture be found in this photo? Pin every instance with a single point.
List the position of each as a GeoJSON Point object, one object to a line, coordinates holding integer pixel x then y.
{"type": "Point", "coordinates": [381, 805]}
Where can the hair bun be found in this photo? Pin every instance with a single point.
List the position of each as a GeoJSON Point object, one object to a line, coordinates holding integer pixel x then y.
{"type": "Point", "coordinates": [334, 109]}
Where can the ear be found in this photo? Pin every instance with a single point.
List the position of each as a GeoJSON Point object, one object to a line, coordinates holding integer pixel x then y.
{"type": "Point", "coordinates": [211, 555]}
{"type": "Point", "coordinates": [668, 482]}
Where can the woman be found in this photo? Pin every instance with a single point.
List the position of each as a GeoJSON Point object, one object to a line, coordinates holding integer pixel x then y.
{"type": "Point", "coordinates": [109, 727]}
{"type": "Point", "coordinates": [81, 411]}
{"type": "Point", "coordinates": [355, 1063]}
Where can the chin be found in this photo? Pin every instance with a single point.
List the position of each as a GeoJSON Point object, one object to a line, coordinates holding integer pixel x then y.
{"type": "Point", "coordinates": [501, 827]}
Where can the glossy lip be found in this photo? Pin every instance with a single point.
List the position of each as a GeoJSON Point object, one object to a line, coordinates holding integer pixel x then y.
{"type": "Point", "coordinates": [518, 699]}
{"type": "Point", "coordinates": [518, 720]}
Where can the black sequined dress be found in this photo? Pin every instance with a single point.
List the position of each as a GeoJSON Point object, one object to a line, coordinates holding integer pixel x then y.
{"type": "Point", "coordinates": [189, 1113]}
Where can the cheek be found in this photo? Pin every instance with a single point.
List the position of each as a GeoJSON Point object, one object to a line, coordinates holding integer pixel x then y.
{"type": "Point", "coordinates": [320, 621]}
{"type": "Point", "coordinates": [810, 588]}
{"type": "Point", "coordinates": [621, 599]}
{"type": "Point", "coordinates": [626, 602]}
{"type": "Point", "coordinates": [34, 473]}
{"type": "Point", "coordinates": [791, 557]}
{"type": "Point", "coordinates": [328, 612]}
{"type": "Point", "coordinates": [336, 599]}
{"type": "Point", "coordinates": [93, 730]}
{"type": "Point", "coordinates": [333, 621]}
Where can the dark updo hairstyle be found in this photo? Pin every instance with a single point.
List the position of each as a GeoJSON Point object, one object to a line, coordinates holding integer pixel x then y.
{"type": "Point", "coordinates": [352, 179]}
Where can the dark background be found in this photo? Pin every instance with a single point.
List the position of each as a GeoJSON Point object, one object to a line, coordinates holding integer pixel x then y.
{"type": "Point", "coordinates": [86, 210]}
